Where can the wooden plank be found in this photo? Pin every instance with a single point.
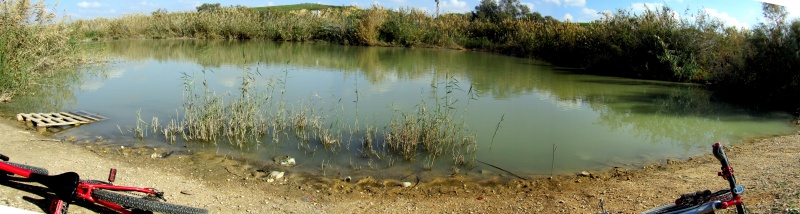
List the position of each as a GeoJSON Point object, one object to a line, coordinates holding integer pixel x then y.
{"type": "Point", "coordinates": [55, 119]}
{"type": "Point", "coordinates": [66, 118]}
{"type": "Point", "coordinates": [99, 117]}
{"type": "Point", "coordinates": [76, 117]}
{"type": "Point", "coordinates": [94, 117]}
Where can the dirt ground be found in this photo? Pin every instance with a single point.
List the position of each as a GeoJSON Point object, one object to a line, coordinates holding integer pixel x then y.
{"type": "Point", "coordinates": [769, 168]}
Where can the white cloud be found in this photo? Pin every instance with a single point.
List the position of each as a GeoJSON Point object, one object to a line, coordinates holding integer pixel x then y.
{"type": "Point", "coordinates": [86, 4]}
{"type": "Point", "coordinates": [588, 11]}
{"type": "Point", "coordinates": [725, 18]}
{"type": "Point", "coordinates": [575, 3]}
{"type": "Point", "coordinates": [642, 7]}
{"type": "Point", "coordinates": [567, 17]}
{"type": "Point", "coordinates": [454, 6]}
{"type": "Point", "coordinates": [556, 2]}
{"type": "Point", "coordinates": [530, 5]}
{"type": "Point", "coordinates": [148, 4]}
{"type": "Point", "coordinates": [270, 4]}
{"type": "Point", "coordinates": [97, 11]}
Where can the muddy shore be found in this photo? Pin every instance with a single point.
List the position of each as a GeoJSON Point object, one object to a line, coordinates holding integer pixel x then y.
{"type": "Point", "coordinates": [768, 167]}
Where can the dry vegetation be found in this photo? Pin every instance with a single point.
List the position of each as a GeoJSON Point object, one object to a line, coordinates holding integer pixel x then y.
{"type": "Point", "coordinates": [257, 115]}
{"type": "Point", "coordinates": [33, 43]}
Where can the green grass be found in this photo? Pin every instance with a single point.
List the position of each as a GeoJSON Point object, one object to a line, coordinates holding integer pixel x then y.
{"type": "Point", "coordinates": [306, 6]}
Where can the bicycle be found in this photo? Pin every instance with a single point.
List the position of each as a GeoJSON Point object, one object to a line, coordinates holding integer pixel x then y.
{"type": "Point", "coordinates": [68, 187]}
{"type": "Point", "coordinates": [706, 201]}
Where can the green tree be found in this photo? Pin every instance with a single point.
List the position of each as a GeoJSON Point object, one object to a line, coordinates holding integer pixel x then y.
{"type": "Point", "coordinates": [770, 76]}
{"type": "Point", "coordinates": [208, 7]}
{"type": "Point", "coordinates": [496, 11]}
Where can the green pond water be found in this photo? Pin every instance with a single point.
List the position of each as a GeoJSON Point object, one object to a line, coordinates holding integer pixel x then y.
{"type": "Point", "coordinates": [528, 116]}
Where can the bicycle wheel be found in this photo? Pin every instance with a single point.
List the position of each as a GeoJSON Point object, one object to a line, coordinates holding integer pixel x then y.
{"type": "Point", "coordinates": [144, 204]}
{"type": "Point", "coordinates": [33, 169]}
{"type": "Point", "coordinates": [664, 209]}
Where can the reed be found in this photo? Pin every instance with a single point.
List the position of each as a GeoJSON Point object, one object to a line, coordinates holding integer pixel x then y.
{"type": "Point", "coordinates": [33, 45]}
{"type": "Point", "coordinates": [252, 114]}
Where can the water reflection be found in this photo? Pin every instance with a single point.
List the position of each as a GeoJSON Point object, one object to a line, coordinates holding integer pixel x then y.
{"type": "Point", "coordinates": [592, 121]}
{"type": "Point", "coordinates": [53, 93]}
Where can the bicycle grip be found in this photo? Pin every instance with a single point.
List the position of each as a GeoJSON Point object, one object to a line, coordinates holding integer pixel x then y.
{"type": "Point", "coordinates": [3, 157]}
{"type": "Point", "coordinates": [719, 153]}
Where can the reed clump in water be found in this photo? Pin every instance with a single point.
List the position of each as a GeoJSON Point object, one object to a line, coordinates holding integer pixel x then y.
{"type": "Point", "coordinates": [435, 132]}
{"type": "Point", "coordinates": [252, 116]}
{"type": "Point", "coordinates": [208, 118]}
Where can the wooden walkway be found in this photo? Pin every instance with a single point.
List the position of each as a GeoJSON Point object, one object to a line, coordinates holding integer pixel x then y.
{"type": "Point", "coordinates": [42, 121]}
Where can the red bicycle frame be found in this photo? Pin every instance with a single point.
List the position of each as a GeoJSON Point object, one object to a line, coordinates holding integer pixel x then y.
{"type": "Point", "coordinates": [66, 190]}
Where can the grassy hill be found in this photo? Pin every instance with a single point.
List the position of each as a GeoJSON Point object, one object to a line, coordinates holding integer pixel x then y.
{"type": "Point", "coordinates": [307, 6]}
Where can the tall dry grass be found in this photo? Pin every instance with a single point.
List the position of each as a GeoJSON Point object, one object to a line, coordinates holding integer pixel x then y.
{"type": "Point", "coordinates": [33, 43]}
{"type": "Point", "coordinates": [256, 115]}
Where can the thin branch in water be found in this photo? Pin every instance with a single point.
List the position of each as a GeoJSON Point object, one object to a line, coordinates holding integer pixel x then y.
{"type": "Point", "coordinates": [496, 167]}
{"type": "Point", "coordinates": [495, 131]}
{"type": "Point", "coordinates": [553, 160]}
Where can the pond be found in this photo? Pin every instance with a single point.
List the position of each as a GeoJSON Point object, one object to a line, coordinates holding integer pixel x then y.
{"type": "Point", "coordinates": [522, 115]}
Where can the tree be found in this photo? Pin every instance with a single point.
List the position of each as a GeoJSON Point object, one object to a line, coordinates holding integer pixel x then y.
{"type": "Point", "coordinates": [207, 7]}
{"type": "Point", "coordinates": [535, 17]}
{"type": "Point", "coordinates": [496, 11]}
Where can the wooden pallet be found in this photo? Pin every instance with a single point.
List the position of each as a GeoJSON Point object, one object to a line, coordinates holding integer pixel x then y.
{"type": "Point", "coordinates": [42, 121]}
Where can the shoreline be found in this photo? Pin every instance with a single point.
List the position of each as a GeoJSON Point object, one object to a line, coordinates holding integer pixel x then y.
{"type": "Point", "coordinates": [765, 166]}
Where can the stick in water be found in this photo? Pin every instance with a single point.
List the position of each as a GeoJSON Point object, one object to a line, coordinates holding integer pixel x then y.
{"type": "Point", "coordinates": [496, 167]}
{"type": "Point", "coordinates": [495, 131]}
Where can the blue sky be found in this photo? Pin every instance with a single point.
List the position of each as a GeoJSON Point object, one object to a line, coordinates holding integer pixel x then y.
{"type": "Point", "coordinates": [743, 13]}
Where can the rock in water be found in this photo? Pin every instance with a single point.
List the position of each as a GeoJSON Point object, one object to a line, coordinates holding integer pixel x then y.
{"type": "Point", "coordinates": [274, 175]}
{"type": "Point", "coordinates": [285, 161]}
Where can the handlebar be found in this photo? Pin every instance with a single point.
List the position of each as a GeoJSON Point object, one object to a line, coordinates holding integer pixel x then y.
{"type": "Point", "coordinates": [727, 173]}
{"type": "Point", "coordinates": [719, 153]}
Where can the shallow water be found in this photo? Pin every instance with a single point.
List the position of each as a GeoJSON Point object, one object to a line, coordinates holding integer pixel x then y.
{"type": "Point", "coordinates": [529, 117]}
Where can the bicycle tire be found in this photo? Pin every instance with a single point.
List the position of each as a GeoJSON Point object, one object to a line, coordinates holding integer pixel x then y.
{"type": "Point", "coordinates": [144, 204]}
{"type": "Point", "coordinates": [664, 209]}
{"type": "Point", "coordinates": [37, 170]}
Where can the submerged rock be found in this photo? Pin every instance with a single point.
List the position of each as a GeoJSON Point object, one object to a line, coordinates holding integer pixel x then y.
{"type": "Point", "coordinates": [285, 161]}
{"type": "Point", "coordinates": [274, 175]}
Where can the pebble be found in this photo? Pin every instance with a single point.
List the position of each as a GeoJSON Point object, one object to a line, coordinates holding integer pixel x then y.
{"type": "Point", "coordinates": [187, 192]}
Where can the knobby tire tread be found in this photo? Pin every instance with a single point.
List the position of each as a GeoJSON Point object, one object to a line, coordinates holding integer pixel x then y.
{"type": "Point", "coordinates": [37, 170]}
{"type": "Point", "coordinates": [144, 204]}
{"type": "Point", "coordinates": [663, 209]}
